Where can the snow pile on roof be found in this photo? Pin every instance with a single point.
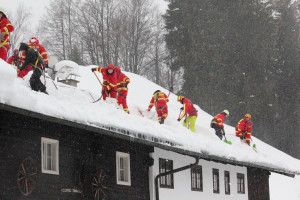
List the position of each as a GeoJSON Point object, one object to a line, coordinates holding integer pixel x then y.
{"type": "Point", "coordinates": [74, 104]}
{"type": "Point", "coordinates": [65, 68]}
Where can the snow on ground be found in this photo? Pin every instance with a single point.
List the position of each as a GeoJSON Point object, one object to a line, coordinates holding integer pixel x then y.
{"type": "Point", "coordinates": [74, 104]}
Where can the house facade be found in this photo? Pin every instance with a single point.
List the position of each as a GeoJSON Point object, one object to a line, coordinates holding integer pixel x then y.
{"type": "Point", "coordinates": [207, 180]}
{"type": "Point", "coordinates": [49, 159]}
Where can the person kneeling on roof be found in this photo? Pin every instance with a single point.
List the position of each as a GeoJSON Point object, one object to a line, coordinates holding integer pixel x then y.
{"type": "Point", "coordinates": [217, 123]}
{"type": "Point", "coordinates": [160, 100]}
{"type": "Point", "coordinates": [37, 63]}
{"type": "Point", "coordinates": [244, 128]}
{"type": "Point", "coordinates": [189, 111]}
{"type": "Point", "coordinates": [15, 59]}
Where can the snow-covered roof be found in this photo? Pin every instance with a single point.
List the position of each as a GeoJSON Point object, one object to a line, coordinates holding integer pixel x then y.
{"type": "Point", "coordinates": [73, 105]}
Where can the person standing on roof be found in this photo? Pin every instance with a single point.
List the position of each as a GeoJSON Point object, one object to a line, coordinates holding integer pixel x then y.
{"type": "Point", "coordinates": [35, 44]}
{"type": "Point", "coordinates": [122, 89]}
{"type": "Point", "coordinates": [109, 88]}
{"type": "Point", "coordinates": [5, 28]}
{"type": "Point", "coordinates": [217, 123]}
{"type": "Point", "coordinates": [244, 128]}
{"type": "Point", "coordinates": [188, 110]}
{"type": "Point", "coordinates": [160, 100]}
{"type": "Point", "coordinates": [15, 59]}
{"type": "Point", "coordinates": [36, 62]}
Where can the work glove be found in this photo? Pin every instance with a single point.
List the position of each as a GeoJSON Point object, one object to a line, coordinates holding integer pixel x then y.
{"type": "Point", "coordinates": [181, 109]}
{"type": "Point", "coordinates": [46, 66]}
{"type": "Point", "coordinates": [93, 69]}
{"type": "Point", "coordinates": [248, 142]}
{"type": "Point", "coordinates": [178, 119]}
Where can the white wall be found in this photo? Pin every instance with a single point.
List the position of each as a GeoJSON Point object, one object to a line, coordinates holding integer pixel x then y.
{"type": "Point", "coordinates": [182, 180]}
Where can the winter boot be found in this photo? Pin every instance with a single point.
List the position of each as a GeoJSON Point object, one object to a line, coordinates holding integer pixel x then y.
{"type": "Point", "coordinates": [162, 120]}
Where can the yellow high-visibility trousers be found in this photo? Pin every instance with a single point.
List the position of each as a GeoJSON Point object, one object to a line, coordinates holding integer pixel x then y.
{"type": "Point", "coordinates": [191, 120]}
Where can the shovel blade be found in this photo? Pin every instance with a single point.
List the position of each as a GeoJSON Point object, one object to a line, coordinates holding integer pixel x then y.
{"type": "Point", "coordinates": [227, 141]}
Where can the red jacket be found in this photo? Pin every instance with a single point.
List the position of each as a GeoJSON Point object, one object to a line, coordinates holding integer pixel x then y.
{"type": "Point", "coordinates": [188, 109]}
{"type": "Point", "coordinates": [122, 81]}
{"type": "Point", "coordinates": [41, 49]}
{"type": "Point", "coordinates": [14, 60]}
{"type": "Point", "coordinates": [220, 119]}
{"type": "Point", "coordinates": [108, 79]}
{"type": "Point", "coordinates": [5, 28]}
{"type": "Point", "coordinates": [243, 129]}
{"type": "Point", "coordinates": [160, 100]}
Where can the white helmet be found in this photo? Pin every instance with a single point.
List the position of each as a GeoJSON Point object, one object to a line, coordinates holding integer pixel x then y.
{"type": "Point", "coordinates": [3, 10]}
{"type": "Point", "coordinates": [226, 112]}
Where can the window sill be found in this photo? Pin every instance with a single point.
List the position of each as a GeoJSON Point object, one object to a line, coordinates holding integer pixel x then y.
{"type": "Point", "coordinates": [50, 172]}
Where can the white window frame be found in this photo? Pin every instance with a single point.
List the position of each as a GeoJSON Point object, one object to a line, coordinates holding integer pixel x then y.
{"type": "Point", "coordinates": [127, 168]}
{"type": "Point", "coordinates": [56, 155]}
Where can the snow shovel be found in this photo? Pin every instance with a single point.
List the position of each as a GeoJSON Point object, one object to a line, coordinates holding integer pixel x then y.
{"type": "Point", "coordinates": [102, 86]}
{"type": "Point", "coordinates": [225, 140]}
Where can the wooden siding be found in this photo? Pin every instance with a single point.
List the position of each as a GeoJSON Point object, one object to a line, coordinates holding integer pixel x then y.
{"type": "Point", "coordinates": [258, 184]}
{"type": "Point", "coordinates": [20, 137]}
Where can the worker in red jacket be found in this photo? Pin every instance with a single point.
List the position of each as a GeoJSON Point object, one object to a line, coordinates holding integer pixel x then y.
{"type": "Point", "coordinates": [188, 110]}
{"type": "Point", "coordinates": [160, 100]}
{"type": "Point", "coordinates": [5, 28]}
{"type": "Point", "coordinates": [217, 123]}
{"type": "Point", "coordinates": [244, 129]}
{"type": "Point", "coordinates": [35, 44]}
{"type": "Point", "coordinates": [109, 88]}
{"type": "Point", "coordinates": [122, 89]}
{"type": "Point", "coordinates": [15, 59]}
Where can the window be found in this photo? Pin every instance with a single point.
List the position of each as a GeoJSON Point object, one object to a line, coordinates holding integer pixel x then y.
{"type": "Point", "coordinates": [196, 177]}
{"type": "Point", "coordinates": [227, 182]}
{"type": "Point", "coordinates": [240, 183]}
{"type": "Point", "coordinates": [216, 181]}
{"type": "Point", "coordinates": [49, 151]}
{"type": "Point", "coordinates": [123, 168]}
{"type": "Point", "coordinates": [165, 166]}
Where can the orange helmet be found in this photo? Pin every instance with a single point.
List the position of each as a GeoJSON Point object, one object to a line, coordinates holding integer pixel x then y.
{"type": "Point", "coordinates": [179, 98]}
{"type": "Point", "coordinates": [248, 116]}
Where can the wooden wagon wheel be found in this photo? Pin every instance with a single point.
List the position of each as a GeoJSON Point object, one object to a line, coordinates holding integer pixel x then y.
{"type": "Point", "coordinates": [27, 176]}
{"type": "Point", "coordinates": [99, 185]}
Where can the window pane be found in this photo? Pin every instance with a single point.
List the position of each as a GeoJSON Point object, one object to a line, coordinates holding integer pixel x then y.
{"type": "Point", "coordinates": [121, 163]}
{"type": "Point", "coordinates": [122, 175]}
{"type": "Point", "coordinates": [48, 166]}
{"type": "Point", "coordinates": [49, 150]}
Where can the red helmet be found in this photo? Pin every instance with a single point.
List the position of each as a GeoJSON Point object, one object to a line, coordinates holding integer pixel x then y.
{"type": "Point", "coordinates": [34, 41]}
{"type": "Point", "coordinates": [16, 51]}
{"type": "Point", "coordinates": [110, 66]}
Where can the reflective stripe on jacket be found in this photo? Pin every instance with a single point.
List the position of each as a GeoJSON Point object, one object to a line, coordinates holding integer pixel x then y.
{"type": "Point", "coordinates": [160, 100]}
{"type": "Point", "coordinates": [188, 109]}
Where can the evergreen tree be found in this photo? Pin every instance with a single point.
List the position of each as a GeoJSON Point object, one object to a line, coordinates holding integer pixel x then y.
{"type": "Point", "coordinates": [288, 77]}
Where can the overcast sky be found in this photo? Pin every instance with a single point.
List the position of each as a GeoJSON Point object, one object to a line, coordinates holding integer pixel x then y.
{"type": "Point", "coordinates": [38, 7]}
